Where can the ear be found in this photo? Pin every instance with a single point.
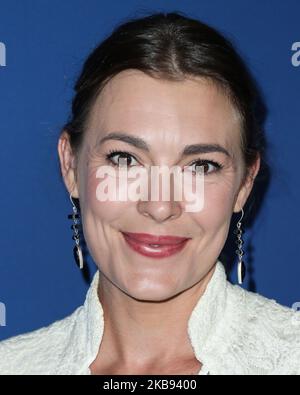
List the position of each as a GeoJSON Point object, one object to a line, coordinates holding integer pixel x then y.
{"type": "Point", "coordinates": [247, 185]}
{"type": "Point", "coordinates": [67, 164]}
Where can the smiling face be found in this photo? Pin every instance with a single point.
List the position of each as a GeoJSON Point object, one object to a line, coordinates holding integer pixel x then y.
{"type": "Point", "coordinates": [168, 116]}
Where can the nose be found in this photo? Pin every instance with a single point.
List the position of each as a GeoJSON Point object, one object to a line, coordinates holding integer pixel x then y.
{"type": "Point", "coordinates": [159, 211]}
{"type": "Point", "coordinates": [161, 206]}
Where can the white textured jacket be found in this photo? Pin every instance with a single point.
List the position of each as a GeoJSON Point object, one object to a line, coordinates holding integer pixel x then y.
{"type": "Point", "coordinates": [232, 331]}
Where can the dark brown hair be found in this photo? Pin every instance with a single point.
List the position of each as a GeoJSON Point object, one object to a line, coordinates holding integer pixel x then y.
{"type": "Point", "coordinates": [170, 46]}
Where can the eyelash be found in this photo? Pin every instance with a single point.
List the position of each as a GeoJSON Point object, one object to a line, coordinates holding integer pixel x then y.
{"type": "Point", "coordinates": [200, 162]}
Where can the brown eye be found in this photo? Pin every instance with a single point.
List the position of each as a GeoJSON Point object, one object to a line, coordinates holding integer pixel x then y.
{"type": "Point", "coordinates": [207, 166]}
{"type": "Point", "coordinates": [123, 158]}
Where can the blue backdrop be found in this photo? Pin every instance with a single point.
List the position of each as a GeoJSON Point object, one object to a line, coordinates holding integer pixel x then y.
{"type": "Point", "coordinates": [43, 45]}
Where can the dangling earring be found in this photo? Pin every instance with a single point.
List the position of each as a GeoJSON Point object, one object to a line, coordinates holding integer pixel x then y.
{"type": "Point", "coordinates": [241, 265]}
{"type": "Point", "coordinates": [76, 250]}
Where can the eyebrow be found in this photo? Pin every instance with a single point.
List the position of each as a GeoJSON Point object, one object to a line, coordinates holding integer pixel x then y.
{"type": "Point", "coordinates": [139, 143]}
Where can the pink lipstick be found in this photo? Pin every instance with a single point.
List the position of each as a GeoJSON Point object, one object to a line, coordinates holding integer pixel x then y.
{"type": "Point", "coordinates": [154, 246]}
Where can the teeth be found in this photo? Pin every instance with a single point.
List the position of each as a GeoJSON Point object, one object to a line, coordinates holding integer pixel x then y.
{"type": "Point", "coordinates": [155, 245]}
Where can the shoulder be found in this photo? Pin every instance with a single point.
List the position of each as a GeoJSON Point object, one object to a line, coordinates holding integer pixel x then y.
{"type": "Point", "coordinates": [267, 333]}
{"type": "Point", "coordinates": [39, 351]}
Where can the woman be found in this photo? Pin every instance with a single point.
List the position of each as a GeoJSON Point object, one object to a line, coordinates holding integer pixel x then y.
{"type": "Point", "coordinates": [163, 90]}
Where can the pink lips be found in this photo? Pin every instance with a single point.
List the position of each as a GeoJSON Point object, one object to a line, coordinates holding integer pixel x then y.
{"type": "Point", "coordinates": [165, 245]}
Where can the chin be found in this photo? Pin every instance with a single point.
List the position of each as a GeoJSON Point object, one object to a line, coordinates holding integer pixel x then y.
{"type": "Point", "coordinates": [154, 295]}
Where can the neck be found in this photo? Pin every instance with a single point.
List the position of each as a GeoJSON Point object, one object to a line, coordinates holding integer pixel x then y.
{"type": "Point", "coordinates": [141, 333]}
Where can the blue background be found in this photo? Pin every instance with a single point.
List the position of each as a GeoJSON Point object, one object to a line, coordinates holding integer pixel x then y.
{"type": "Point", "coordinates": [46, 43]}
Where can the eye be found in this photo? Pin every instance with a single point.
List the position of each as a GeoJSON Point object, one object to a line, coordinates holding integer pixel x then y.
{"type": "Point", "coordinates": [125, 156]}
{"type": "Point", "coordinates": [209, 166]}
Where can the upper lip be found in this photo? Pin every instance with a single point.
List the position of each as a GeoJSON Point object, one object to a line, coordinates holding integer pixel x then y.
{"type": "Point", "coordinates": [155, 239]}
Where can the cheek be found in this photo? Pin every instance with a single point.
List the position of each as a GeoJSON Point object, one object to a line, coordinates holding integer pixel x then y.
{"type": "Point", "coordinates": [101, 204]}
{"type": "Point", "coordinates": [217, 209]}
{"type": "Point", "coordinates": [100, 218]}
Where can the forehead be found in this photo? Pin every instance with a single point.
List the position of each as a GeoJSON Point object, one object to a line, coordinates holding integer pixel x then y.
{"type": "Point", "coordinates": [191, 109]}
